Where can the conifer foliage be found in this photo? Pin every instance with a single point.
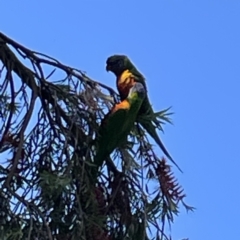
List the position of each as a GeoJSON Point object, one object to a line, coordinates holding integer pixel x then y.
{"type": "Point", "coordinates": [49, 117]}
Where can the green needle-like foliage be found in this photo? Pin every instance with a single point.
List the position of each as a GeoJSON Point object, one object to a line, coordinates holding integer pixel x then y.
{"type": "Point", "coordinates": [48, 141]}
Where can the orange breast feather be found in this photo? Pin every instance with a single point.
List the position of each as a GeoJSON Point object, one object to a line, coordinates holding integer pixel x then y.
{"type": "Point", "coordinates": [122, 105]}
{"type": "Point", "coordinates": [124, 82]}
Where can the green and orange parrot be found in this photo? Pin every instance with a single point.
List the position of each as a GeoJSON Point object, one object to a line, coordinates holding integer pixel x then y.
{"type": "Point", "coordinates": [117, 124]}
{"type": "Point", "coordinates": [127, 75]}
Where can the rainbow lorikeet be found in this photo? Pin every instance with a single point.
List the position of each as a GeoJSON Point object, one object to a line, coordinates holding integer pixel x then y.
{"type": "Point", "coordinates": [127, 74]}
{"type": "Point", "coordinates": [118, 123]}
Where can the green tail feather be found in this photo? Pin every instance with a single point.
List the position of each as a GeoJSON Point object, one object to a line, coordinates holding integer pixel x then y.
{"type": "Point", "coordinates": [146, 109]}
{"type": "Point", "coordinates": [151, 130]}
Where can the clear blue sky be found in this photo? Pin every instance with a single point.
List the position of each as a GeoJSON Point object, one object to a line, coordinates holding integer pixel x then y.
{"type": "Point", "coordinates": [189, 52]}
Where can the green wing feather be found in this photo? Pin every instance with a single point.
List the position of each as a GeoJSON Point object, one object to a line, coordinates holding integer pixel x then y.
{"type": "Point", "coordinates": [116, 126]}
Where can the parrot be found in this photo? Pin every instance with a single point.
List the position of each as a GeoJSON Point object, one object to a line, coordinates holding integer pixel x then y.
{"type": "Point", "coordinates": [117, 123]}
{"type": "Point", "coordinates": [126, 75]}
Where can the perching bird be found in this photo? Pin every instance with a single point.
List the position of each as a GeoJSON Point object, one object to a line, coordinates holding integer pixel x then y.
{"type": "Point", "coordinates": [118, 123]}
{"type": "Point", "coordinates": [127, 74]}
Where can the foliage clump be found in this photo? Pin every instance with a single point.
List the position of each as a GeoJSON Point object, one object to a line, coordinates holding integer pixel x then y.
{"type": "Point", "coordinates": [49, 117]}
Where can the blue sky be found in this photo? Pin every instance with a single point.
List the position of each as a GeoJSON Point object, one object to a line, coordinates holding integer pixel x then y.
{"type": "Point", "coordinates": [189, 52]}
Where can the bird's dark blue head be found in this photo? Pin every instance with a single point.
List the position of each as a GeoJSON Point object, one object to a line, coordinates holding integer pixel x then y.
{"type": "Point", "coordinates": [117, 64]}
